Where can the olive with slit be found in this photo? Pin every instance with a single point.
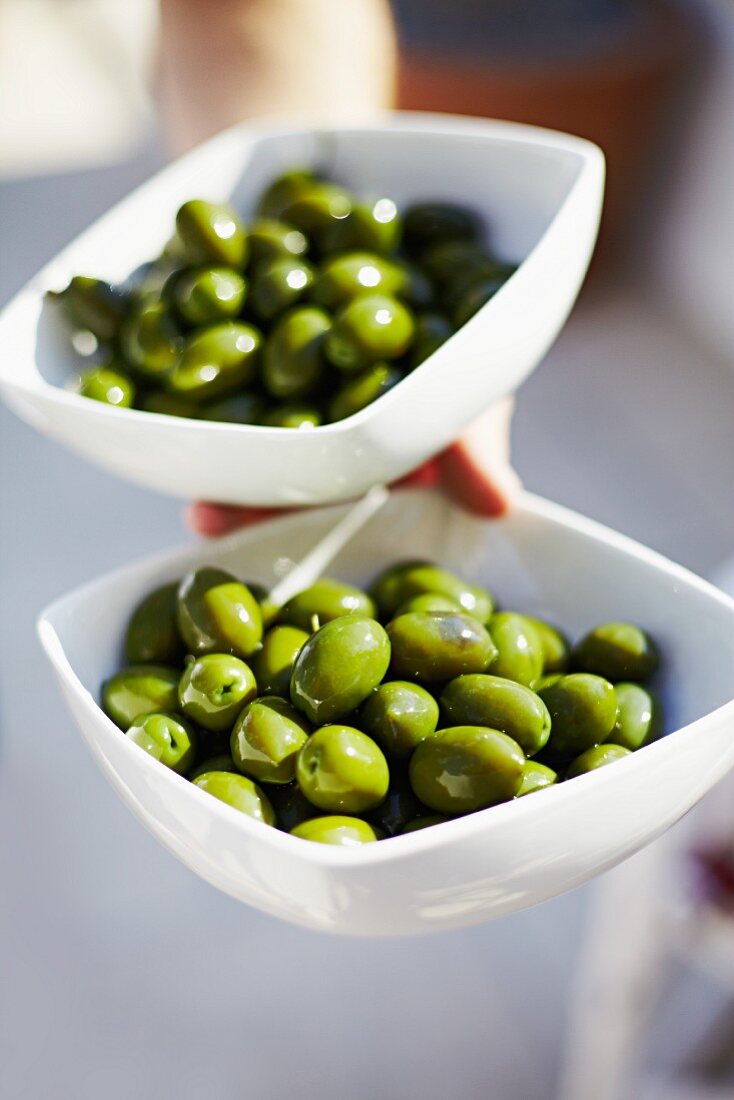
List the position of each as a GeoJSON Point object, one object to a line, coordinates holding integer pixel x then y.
{"type": "Point", "coordinates": [278, 285]}
{"type": "Point", "coordinates": [349, 275]}
{"type": "Point", "coordinates": [216, 361]}
{"type": "Point", "coordinates": [427, 223]}
{"type": "Point", "coordinates": [222, 762]}
{"type": "Point", "coordinates": [94, 305]}
{"type": "Point", "coordinates": [324, 600]}
{"type": "Point", "coordinates": [360, 391]}
{"type": "Point", "coordinates": [399, 715]}
{"type": "Point", "coordinates": [431, 331]}
{"type": "Point", "coordinates": [372, 225]}
{"type": "Point", "coordinates": [271, 239]}
{"type": "Point", "coordinates": [166, 737]}
{"type": "Point", "coordinates": [211, 233]}
{"type": "Point", "coordinates": [272, 664]}
{"type": "Point", "coordinates": [214, 689]}
{"type": "Point", "coordinates": [239, 408]}
{"type": "Point", "coordinates": [583, 710]}
{"type": "Point", "coordinates": [431, 646]}
{"type": "Point", "coordinates": [150, 340]}
{"type": "Point", "coordinates": [140, 689]}
{"type": "Point", "coordinates": [239, 792]}
{"type": "Point", "coordinates": [204, 296]}
{"type": "Point", "coordinates": [370, 328]}
{"type": "Point", "coordinates": [152, 633]}
{"type": "Point", "coordinates": [501, 704]}
{"type": "Point", "coordinates": [342, 770]}
{"type": "Point", "coordinates": [535, 777]}
{"type": "Point", "coordinates": [465, 768]}
{"type": "Point", "coordinates": [303, 417]}
{"type": "Point", "coordinates": [293, 361]}
{"type": "Point", "coordinates": [598, 756]}
{"type": "Point", "coordinates": [217, 613]}
{"type": "Point", "coordinates": [554, 644]}
{"type": "Point", "coordinates": [617, 651]}
{"type": "Point", "coordinates": [639, 718]}
{"type": "Point", "coordinates": [107, 385]}
{"type": "Point", "coordinates": [400, 583]}
{"type": "Point", "coordinates": [519, 648]}
{"type": "Point", "coordinates": [347, 832]}
{"type": "Point", "coordinates": [267, 738]}
{"type": "Point", "coordinates": [338, 667]}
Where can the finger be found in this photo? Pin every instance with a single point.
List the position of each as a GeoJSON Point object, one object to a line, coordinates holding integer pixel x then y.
{"type": "Point", "coordinates": [213, 520]}
{"type": "Point", "coordinates": [476, 470]}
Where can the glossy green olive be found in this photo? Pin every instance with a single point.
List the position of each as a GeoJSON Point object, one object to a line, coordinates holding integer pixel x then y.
{"type": "Point", "coordinates": [291, 806]}
{"type": "Point", "coordinates": [429, 601]}
{"type": "Point", "coordinates": [239, 792]}
{"type": "Point", "coordinates": [520, 650]}
{"type": "Point", "coordinates": [293, 361]}
{"type": "Point", "coordinates": [399, 715]}
{"type": "Point", "coordinates": [152, 633]}
{"type": "Point", "coordinates": [617, 651]}
{"type": "Point", "coordinates": [472, 300]}
{"type": "Point", "coordinates": [583, 710]}
{"type": "Point", "coordinates": [342, 770]}
{"type": "Point", "coordinates": [272, 240]}
{"type": "Point", "coordinates": [217, 613]}
{"type": "Point", "coordinates": [546, 681]}
{"type": "Point", "coordinates": [431, 331]}
{"type": "Point", "coordinates": [465, 768]}
{"type": "Point", "coordinates": [214, 689]}
{"type": "Point", "coordinates": [167, 404]}
{"type": "Point", "coordinates": [370, 328]}
{"type": "Point", "coordinates": [166, 737]}
{"type": "Point", "coordinates": [204, 296]}
{"type": "Point", "coordinates": [400, 583]}
{"type": "Point", "coordinates": [639, 717]}
{"type": "Point", "coordinates": [303, 417]}
{"type": "Point", "coordinates": [93, 305]}
{"type": "Point", "coordinates": [596, 757]}
{"type": "Point", "coordinates": [349, 275]}
{"type": "Point", "coordinates": [347, 832]}
{"type": "Point", "coordinates": [431, 646]}
{"type": "Point", "coordinates": [273, 663]}
{"type": "Point", "coordinates": [427, 223]}
{"type": "Point", "coordinates": [425, 822]}
{"type": "Point", "coordinates": [324, 600]}
{"type": "Point", "coordinates": [278, 285]}
{"type": "Point", "coordinates": [556, 649]}
{"type": "Point", "coordinates": [222, 762]}
{"type": "Point", "coordinates": [500, 704]}
{"type": "Point", "coordinates": [150, 340]}
{"type": "Point", "coordinates": [316, 209]}
{"type": "Point", "coordinates": [108, 385]}
{"type": "Point", "coordinates": [239, 408]}
{"type": "Point", "coordinates": [139, 689]}
{"type": "Point", "coordinates": [267, 738]}
{"type": "Point", "coordinates": [338, 667]}
{"type": "Point", "coordinates": [399, 806]}
{"type": "Point", "coordinates": [216, 361]}
{"type": "Point", "coordinates": [375, 226]}
{"type": "Point", "coordinates": [535, 777]}
{"type": "Point", "coordinates": [361, 390]}
{"type": "Point", "coordinates": [211, 233]}
{"type": "Point", "coordinates": [283, 191]}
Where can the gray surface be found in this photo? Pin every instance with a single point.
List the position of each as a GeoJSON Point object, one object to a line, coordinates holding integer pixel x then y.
{"type": "Point", "coordinates": [124, 975]}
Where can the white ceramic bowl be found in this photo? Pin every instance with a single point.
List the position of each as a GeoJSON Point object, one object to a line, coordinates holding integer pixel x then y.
{"type": "Point", "coordinates": [540, 193]}
{"type": "Point", "coordinates": [542, 559]}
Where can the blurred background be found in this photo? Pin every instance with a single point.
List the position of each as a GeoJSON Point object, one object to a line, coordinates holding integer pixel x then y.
{"type": "Point", "coordinates": [122, 973]}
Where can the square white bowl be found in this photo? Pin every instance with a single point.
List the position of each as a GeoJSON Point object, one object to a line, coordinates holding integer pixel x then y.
{"type": "Point", "coordinates": [540, 193]}
{"type": "Point", "coordinates": [542, 559]}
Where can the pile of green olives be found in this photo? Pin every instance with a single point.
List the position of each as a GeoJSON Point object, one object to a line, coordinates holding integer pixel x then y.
{"type": "Point", "coordinates": [348, 716]}
{"type": "Point", "coordinates": [303, 317]}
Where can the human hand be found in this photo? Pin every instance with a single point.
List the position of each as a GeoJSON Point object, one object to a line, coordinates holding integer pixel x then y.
{"type": "Point", "coordinates": [475, 471]}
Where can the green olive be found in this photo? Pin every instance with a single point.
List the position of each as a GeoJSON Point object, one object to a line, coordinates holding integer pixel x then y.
{"type": "Point", "coordinates": [427, 223]}
{"type": "Point", "coordinates": [465, 768]}
{"type": "Point", "coordinates": [283, 191]}
{"type": "Point", "coordinates": [399, 715]}
{"type": "Point", "coordinates": [368, 329]}
{"type": "Point", "coordinates": [204, 296]}
{"type": "Point", "coordinates": [324, 600]}
{"type": "Point", "coordinates": [271, 240]}
{"type": "Point", "coordinates": [348, 832]}
{"type": "Point", "coordinates": [639, 717]}
{"type": "Point", "coordinates": [342, 770]}
{"type": "Point", "coordinates": [278, 285]}
{"type": "Point", "coordinates": [474, 298]}
{"type": "Point", "coordinates": [360, 391]}
{"type": "Point", "coordinates": [216, 613]}
{"type": "Point", "coordinates": [272, 664]}
{"type": "Point", "coordinates": [456, 265]}
{"type": "Point", "coordinates": [167, 404]}
{"type": "Point", "coordinates": [303, 417]}
{"type": "Point", "coordinates": [338, 667]}
{"type": "Point", "coordinates": [152, 634]}
{"type": "Point", "coordinates": [166, 737]}
{"type": "Point", "coordinates": [554, 645]}
{"type": "Point", "coordinates": [150, 340]}
{"type": "Point", "coordinates": [214, 689]}
{"type": "Point", "coordinates": [424, 822]}
{"type": "Point", "coordinates": [369, 225]}
{"type": "Point", "coordinates": [93, 305]}
{"type": "Point", "coordinates": [239, 408]}
{"type": "Point", "coordinates": [520, 650]}
{"type": "Point", "coordinates": [535, 777]}
{"type": "Point", "coordinates": [429, 601]}
{"type": "Point", "coordinates": [267, 738]}
{"type": "Point", "coordinates": [139, 689]}
{"type": "Point", "coordinates": [617, 651]}
{"type": "Point", "coordinates": [431, 646]}
{"type": "Point", "coordinates": [349, 275]}
{"type": "Point", "coordinates": [239, 792]}
{"type": "Point", "coordinates": [291, 806]}
{"type": "Point", "coordinates": [211, 233]}
{"type": "Point", "coordinates": [293, 362]}
{"type": "Point", "coordinates": [399, 806]}
{"type": "Point", "coordinates": [400, 583]}
{"type": "Point", "coordinates": [583, 710]}
{"type": "Point", "coordinates": [316, 209]}
{"type": "Point", "coordinates": [108, 385]}
{"type": "Point", "coordinates": [500, 704]}
{"type": "Point", "coordinates": [222, 762]}
{"type": "Point", "coordinates": [596, 757]}
{"type": "Point", "coordinates": [216, 361]}
{"type": "Point", "coordinates": [431, 330]}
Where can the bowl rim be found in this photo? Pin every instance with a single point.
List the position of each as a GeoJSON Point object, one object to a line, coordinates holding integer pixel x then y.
{"type": "Point", "coordinates": [591, 162]}
{"type": "Point", "coordinates": [401, 847]}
